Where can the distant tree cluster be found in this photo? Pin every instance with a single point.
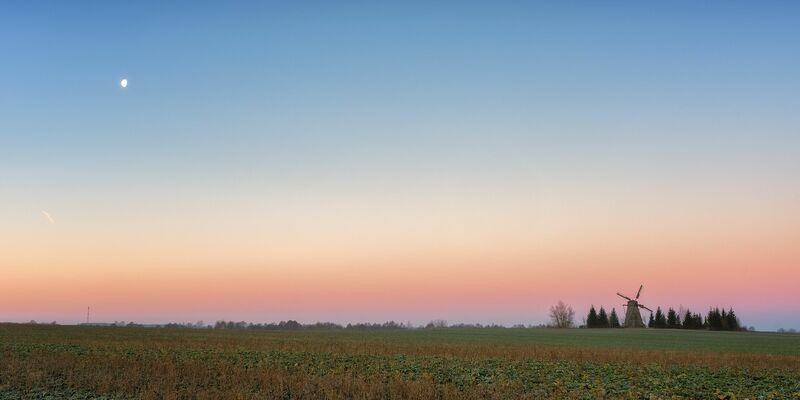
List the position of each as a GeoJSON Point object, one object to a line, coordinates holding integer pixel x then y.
{"type": "Point", "coordinates": [721, 321]}
{"type": "Point", "coordinates": [715, 320]}
{"type": "Point", "coordinates": [660, 320]}
{"type": "Point", "coordinates": [479, 326]}
{"type": "Point", "coordinates": [602, 319]}
{"type": "Point", "coordinates": [198, 324]}
{"type": "Point", "coordinates": [361, 326]}
{"type": "Point", "coordinates": [436, 324]}
{"type": "Point", "coordinates": [670, 320]}
{"type": "Point", "coordinates": [366, 326]}
{"type": "Point", "coordinates": [692, 321]}
{"type": "Point", "coordinates": [294, 325]}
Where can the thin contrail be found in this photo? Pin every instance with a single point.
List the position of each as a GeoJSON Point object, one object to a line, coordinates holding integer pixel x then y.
{"type": "Point", "coordinates": [49, 218]}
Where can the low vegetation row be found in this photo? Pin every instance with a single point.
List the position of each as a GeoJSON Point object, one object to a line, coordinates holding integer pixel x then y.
{"type": "Point", "coordinates": [294, 325]}
{"type": "Point", "coordinates": [390, 325]}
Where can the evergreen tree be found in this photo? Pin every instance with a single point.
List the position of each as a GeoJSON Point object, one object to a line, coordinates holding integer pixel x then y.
{"type": "Point", "coordinates": [733, 322]}
{"type": "Point", "coordinates": [672, 319]}
{"type": "Point", "coordinates": [602, 319]}
{"type": "Point", "coordinates": [714, 322]}
{"type": "Point", "coordinates": [714, 319]}
{"type": "Point", "coordinates": [591, 319]}
{"type": "Point", "coordinates": [692, 321]}
{"type": "Point", "coordinates": [661, 320]}
{"type": "Point", "coordinates": [613, 320]}
{"type": "Point", "coordinates": [723, 318]}
{"type": "Point", "coordinates": [652, 322]}
{"type": "Point", "coordinates": [688, 320]}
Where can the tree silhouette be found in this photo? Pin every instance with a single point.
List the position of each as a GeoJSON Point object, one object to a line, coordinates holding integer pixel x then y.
{"type": "Point", "coordinates": [613, 319]}
{"type": "Point", "coordinates": [591, 319]}
{"type": "Point", "coordinates": [733, 322]}
{"type": "Point", "coordinates": [602, 319]}
{"type": "Point", "coordinates": [714, 319]}
{"type": "Point", "coordinates": [562, 315]}
{"type": "Point", "coordinates": [688, 320]}
{"type": "Point", "coordinates": [661, 320]}
{"type": "Point", "coordinates": [673, 321]}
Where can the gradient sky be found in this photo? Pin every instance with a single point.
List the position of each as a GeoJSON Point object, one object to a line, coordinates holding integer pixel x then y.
{"type": "Point", "coordinates": [369, 161]}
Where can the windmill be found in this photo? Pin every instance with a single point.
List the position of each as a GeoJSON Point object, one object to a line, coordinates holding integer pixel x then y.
{"type": "Point", "coordinates": [633, 319]}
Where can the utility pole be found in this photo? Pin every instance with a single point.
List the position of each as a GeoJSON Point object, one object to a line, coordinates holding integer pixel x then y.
{"type": "Point", "coordinates": [87, 315]}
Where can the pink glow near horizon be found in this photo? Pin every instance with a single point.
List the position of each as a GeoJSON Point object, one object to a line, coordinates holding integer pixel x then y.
{"type": "Point", "coordinates": [471, 288]}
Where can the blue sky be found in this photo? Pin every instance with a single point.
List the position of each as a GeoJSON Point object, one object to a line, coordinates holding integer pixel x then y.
{"type": "Point", "coordinates": [316, 75]}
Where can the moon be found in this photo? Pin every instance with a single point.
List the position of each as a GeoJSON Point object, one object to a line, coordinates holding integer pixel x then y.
{"type": "Point", "coordinates": [123, 83]}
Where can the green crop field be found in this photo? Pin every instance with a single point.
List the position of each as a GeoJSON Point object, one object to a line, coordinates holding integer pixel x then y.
{"type": "Point", "coordinates": [43, 362]}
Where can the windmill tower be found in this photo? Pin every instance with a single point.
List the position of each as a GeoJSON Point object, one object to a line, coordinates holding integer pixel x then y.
{"type": "Point", "coordinates": [633, 319]}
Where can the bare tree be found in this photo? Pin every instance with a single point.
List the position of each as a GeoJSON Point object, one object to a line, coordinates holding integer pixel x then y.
{"type": "Point", "coordinates": [562, 316]}
{"type": "Point", "coordinates": [437, 324]}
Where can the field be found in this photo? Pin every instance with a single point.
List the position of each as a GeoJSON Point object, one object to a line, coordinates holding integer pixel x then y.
{"type": "Point", "coordinates": [54, 362]}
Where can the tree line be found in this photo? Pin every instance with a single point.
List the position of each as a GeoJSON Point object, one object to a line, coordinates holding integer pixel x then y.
{"type": "Point", "coordinates": [601, 319]}
{"type": "Point", "coordinates": [716, 320]}
{"type": "Point", "coordinates": [361, 326]}
{"type": "Point", "coordinates": [294, 325]}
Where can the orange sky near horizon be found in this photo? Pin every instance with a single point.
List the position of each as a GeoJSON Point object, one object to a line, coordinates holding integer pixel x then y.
{"type": "Point", "coordinates": [468, 260]}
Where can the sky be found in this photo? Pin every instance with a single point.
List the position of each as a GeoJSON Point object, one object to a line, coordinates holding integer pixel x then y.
{"type": "Point", "coordinates": [374, 161]}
